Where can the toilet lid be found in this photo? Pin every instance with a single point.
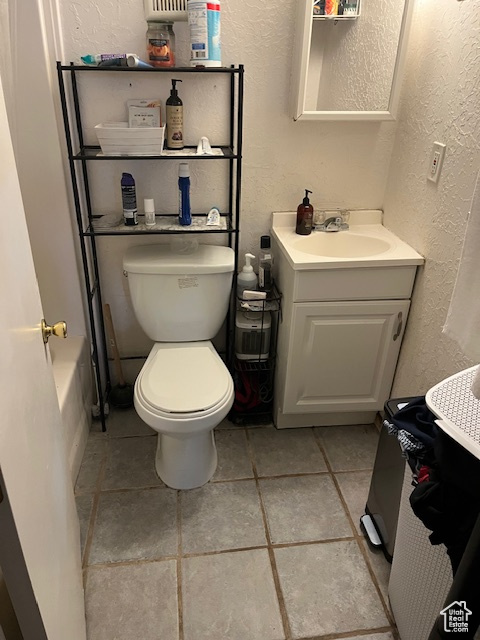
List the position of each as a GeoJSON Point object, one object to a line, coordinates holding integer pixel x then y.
{"type": "Point", "coordinates": [185, 379]}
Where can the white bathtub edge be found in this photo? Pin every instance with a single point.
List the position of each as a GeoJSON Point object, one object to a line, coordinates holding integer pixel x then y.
{"type": "Point", "coordinates": [73, 380]}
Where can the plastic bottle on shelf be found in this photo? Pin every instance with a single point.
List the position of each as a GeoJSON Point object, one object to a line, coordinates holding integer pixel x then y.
{"type": "Point", "coordinates": [161, 44]}
{"type": "Point", "coordinates": [129, 199]}
{"type": "Point", "coordinates": [265, 267]}
{"type": "Point", "coordinates": [247, 278]}
{"type": "Point", "coordinates": [331, 7]}
{"type": "Point", "coordinates": [205, 42]}
{"type": "Point", "coordinates": [184, 212]}
{"type": "Point", "coordinates": [174, 113]}
{"type": "Point", "coordinates": [149, 210]}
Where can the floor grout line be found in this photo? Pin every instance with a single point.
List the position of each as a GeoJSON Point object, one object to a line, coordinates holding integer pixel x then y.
{"type": "Point", "coordinates": [179, 566]}
{"type": "Point", "coordinates": [150, 487]}
{"type": "Point", "coordinates": [93, 514]}
{"type": "Point", "coordinates": [202, 554]}
{"type": "Point", "coordinates": [358, 538]}
{"type": "Point", "coordinates": [273, 564]}
{"type": "Point", "coordinates": [223, 481]}
{"type": "Point", "coordinates": [364, 553]}
{"type": "Point", "coordinates": [130, 436]}
{"type": "Point", "coordinates": [304, 543]}
{"type": "Point", "coordinates": [219, 552]}
{"type": "Point", "coordinates": [348, 635]}
{"type": "Point", "coordinates": [126, 563]}
{"type": "Point", "coordinates": [274, 476]}
{"type": "Point", "coordinates": [335, 482]}
{"type": "Point", "coordinates": [344, 471]}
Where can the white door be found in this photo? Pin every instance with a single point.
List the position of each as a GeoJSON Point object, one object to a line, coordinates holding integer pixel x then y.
{"type": "Point", "coordinates": [32, 458]}
{"type": "Point", "coordinates": [342, 355]}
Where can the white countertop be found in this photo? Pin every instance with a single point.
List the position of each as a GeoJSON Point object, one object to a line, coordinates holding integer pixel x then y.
{"type": "Point", "coordinates": [362, 223]}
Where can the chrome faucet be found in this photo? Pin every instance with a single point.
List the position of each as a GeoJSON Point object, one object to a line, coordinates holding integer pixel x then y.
{"type": "Point", "coordinates": [332, 224]}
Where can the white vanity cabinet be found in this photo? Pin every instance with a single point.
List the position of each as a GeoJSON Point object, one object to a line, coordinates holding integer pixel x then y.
{"type": "Point", "coordinates": [342, 355]}
{"type": "Point", "coordinates": [340, 335]}
{"type": "Point", "coordinates": [346, 298]}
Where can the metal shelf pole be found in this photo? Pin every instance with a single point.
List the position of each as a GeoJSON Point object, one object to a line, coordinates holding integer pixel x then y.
{"type": "Point", "coordinates": [93, 248]}
{"type": "Point", "coordinates": [83, 250]}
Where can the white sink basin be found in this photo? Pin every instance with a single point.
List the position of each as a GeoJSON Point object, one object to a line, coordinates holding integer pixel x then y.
{"type": "Point", "coordinates": [341, 244]}
{"type": "Point", "coordinates": [366, 244]}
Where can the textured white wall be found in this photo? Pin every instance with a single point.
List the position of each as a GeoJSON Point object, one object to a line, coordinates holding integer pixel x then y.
{"type": "Point", "coordinates": [343, 163]}
{"type": "Point", "coordinates": [39, 156]}
{"type": "Point", "coordinates": [440, 102]}
{"type": "Point", "coordinates": [359, 58]}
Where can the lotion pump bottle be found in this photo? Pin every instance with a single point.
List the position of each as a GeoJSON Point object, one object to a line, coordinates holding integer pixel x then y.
{"type": "Point", "coordinates": [247, 278]}
{"type": "Point", "coordinates": [174, 112]}
{"type": "Point", "coordinates": [304, 216]}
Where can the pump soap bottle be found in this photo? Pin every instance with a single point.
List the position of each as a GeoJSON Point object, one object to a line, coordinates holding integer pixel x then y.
{"type": "Point", "coordinates": [247, 278]}
{"type": "Point", "coordinates": [304, 216]}
{"type": "Point", "coordinates": [174, 112]}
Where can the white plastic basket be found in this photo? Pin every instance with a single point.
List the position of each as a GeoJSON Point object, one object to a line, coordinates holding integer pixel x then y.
{"type": "Point", "coordinates": [117, 138]}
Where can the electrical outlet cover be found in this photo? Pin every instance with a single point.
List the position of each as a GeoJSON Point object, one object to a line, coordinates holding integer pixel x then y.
{"type": "Point", "coordinates": [436, 161]}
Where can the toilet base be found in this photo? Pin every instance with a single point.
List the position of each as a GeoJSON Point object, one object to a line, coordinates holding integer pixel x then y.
{"type": "Point", "coordinates": [186, 463]}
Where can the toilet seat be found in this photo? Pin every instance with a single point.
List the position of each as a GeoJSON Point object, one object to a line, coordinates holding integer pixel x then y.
{"type": "Point", "coordinates": [183, 382]}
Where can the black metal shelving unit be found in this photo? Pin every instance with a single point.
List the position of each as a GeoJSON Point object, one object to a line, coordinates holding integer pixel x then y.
{"type": "Point", "coordinates": [80, 157]}
{"type": "Point", "coordinates": [254, 377]}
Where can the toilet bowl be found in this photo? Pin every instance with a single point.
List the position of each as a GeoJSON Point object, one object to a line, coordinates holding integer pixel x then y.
{"type": "Point", "coordinates": [183, 392]}
{"type": "Point", "coordinates": [180, 297]}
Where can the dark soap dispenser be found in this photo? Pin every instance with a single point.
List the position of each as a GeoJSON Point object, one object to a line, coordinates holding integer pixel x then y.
{"type": "Point", "coordinates": [304, 216]}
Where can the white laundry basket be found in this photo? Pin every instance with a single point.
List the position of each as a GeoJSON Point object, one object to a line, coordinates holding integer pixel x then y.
{"type": "Point", "coordinates": [421, 574]}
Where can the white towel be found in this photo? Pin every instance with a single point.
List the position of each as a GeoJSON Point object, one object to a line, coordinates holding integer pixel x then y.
{"type": "Point", "coordinates": [463, 318]}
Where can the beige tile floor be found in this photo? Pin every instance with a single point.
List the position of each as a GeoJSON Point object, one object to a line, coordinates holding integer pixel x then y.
{"type": "Point", "coordinates": [270, 549]}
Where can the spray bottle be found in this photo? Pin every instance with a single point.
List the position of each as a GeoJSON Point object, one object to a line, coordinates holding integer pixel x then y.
{"type": "Point", "coordinates": [129, 199]}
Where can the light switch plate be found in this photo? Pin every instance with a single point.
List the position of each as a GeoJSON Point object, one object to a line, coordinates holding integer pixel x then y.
{"type": "Point", "coordinates": [436, 161]}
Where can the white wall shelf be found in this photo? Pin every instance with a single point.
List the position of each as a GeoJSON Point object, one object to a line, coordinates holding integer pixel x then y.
{"type": "Point", "coordinates": [334, 19]}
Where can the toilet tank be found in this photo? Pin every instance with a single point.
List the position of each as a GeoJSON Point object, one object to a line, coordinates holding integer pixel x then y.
{"type": "Point", "coordinates": [179, 297]}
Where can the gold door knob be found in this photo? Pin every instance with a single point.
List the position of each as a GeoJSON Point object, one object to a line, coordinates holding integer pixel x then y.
{"type": "Point", "coordinates": [59, 329]}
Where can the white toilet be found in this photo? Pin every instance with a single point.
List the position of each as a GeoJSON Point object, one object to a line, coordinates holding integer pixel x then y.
{"type": "Point", "coordinates": [184, 389]}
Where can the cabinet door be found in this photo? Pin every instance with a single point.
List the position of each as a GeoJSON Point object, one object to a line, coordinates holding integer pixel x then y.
{"type": "Point", "coordinates": [342, 355]}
